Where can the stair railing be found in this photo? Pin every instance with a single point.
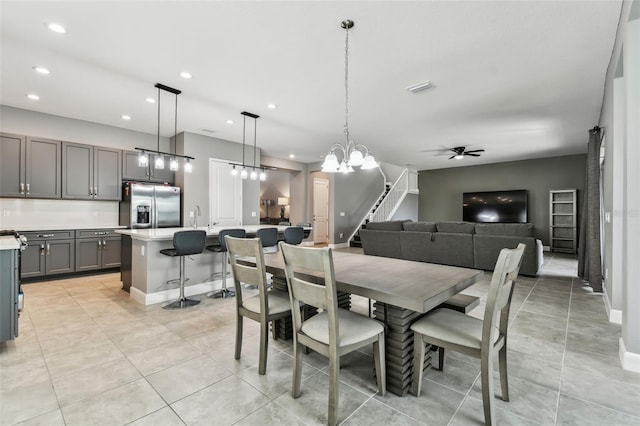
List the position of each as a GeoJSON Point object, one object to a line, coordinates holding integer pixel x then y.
{"type": "Point", "coordinates": [392, 201]}
{"type": "Point", "coordinates": [389, 204]}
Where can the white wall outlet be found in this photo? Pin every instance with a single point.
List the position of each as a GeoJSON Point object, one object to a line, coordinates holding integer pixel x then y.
{"type": "Point", "coordinates": [253, 214]}
{"type": "Point", "coordinates": [191, 214]}
{"type": "Point", "coordinates": [341, 235]}
{"type": "Point", "coordinates": [342, 214]}
{"type": "Point", "coordinates": [6, 212]}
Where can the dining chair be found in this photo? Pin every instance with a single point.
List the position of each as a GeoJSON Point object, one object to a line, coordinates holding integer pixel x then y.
{"type": "Point", "coordinates": [333, 332]}
{"type": "Point", "coordinates": [264, 307]}
{"type": "Point", "coordinates": [446, 328]}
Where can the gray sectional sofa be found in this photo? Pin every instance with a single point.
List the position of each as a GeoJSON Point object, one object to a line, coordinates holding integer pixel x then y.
{"type": "Point", "coordinates": [466, 244]}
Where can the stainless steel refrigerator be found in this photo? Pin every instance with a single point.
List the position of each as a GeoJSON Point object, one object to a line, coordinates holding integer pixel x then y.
{"type": "Point", "coordinates": [146, 205]}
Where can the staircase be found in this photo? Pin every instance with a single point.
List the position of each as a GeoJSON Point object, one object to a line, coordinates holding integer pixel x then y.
{"type": "Point", "coordinates": [355, 240]}
{"type": "Point", "coordinates": [386, 205]}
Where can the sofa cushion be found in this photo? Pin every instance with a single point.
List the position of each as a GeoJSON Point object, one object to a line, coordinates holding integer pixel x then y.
{"type": "Point", "coordinates": [381, 243]}
{"type": "Point", "coordinates": [420, 226]}
{"type": "Point", "coordinates": [393, 225]}
{"type": "Point", "coordinates": [508, 229]}
{"type": "Point", "coordinates": [486, 249]}
{"type": "Point", "coordinates": [456, 227]}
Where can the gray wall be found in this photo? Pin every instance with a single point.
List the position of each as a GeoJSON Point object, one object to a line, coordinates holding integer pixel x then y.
{"type": "Point", "coordinates": [441, 190]}
{"type": "Point", "coordinates": [408, 209]}
{"type": "Point", "coordinates": [195, 186]}
{"type": "Point", "coordinates": [353, 195]}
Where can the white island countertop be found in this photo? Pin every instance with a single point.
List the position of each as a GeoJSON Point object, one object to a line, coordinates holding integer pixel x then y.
{"type": "Point", "coordinates": [65, 227]}
{"type": "Point", "coordinates": [8, 242]}
{"type": "Point", "coordinates": [160, 234]}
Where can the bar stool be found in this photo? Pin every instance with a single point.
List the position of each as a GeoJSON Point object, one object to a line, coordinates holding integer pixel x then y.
{"type": "Point", "coordinates": [294, 235]}
{"type": "Point", "coordinates": [185, 243]}
{"type": "Point", "coordinates": [269, 239]}
{"type": "Point", "coordinates": [224, 292]}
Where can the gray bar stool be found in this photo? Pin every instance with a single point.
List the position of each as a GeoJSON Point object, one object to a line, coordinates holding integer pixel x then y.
{"type": "Point", "coordinates": [185, 243]}
{"type": "Point", "coordinates": [294, 235]}
{"type": "Point", "coordinates": [269, 239]}
{"type": "Point", "coordinates": [224, 292]}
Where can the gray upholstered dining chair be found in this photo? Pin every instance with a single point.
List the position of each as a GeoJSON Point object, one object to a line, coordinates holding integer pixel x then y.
{"type": "Point", "coordinates": [264, 307]}
{"type": "Point", "coordinates": [449, 329]}
{"type": "Point", "coordinates": [332, 333]}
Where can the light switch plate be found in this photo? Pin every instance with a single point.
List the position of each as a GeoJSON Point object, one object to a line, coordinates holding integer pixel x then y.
{"type": "Point", "coordinates": [341, 213]}
{"type": "Point", "coordinates": [253, 214]}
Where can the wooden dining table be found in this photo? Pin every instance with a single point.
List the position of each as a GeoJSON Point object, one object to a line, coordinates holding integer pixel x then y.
{"type": "Point", "coordinates": [404, 290]}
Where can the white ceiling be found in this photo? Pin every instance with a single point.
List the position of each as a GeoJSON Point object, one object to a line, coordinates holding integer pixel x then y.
{"type": "Point", "coordinates": [518, 79]}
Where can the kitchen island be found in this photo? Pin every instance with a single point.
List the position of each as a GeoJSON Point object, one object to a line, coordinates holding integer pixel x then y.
{"type": "Point", "coordinates": [145, 271]}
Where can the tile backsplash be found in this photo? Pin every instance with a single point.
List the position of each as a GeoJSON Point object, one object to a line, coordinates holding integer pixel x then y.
{"type": "Point", "coordinates": [18, 213]}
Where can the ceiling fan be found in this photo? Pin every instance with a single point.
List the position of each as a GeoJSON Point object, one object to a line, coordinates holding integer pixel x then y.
{"type": "Point", "coordinates": [460, 152]}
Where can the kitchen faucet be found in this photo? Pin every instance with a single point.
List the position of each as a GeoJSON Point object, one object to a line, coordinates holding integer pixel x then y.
{"type": "Point", "coordinates": [196, 213]}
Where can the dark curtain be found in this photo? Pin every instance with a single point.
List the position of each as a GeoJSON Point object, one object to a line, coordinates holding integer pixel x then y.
{"type": "Point", "coordinates": [589, 256]}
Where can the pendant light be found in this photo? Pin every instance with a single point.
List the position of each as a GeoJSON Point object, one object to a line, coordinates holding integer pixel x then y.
{"type": "Point", "coordinates": [353, 155]}
{"type": "Point", "coordinates": [244, 173]}
{"type": "Point", "coordinates": [143, 158]}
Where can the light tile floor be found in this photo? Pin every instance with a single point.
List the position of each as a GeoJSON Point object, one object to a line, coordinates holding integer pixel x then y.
{"type": "Point", "coordinates": [87, 354]}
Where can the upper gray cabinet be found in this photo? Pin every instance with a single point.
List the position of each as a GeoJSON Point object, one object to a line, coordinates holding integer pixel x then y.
{"type": "Point", "coordinates": [90, 172]}
{"type": "Point", "coordinates": [131, 170]}
{"type": "Point", "coordinates": [29, 167]}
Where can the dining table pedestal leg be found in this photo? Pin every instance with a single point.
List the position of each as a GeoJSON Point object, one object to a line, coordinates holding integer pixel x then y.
{"type": "Point", "coordinates": [399, 346]}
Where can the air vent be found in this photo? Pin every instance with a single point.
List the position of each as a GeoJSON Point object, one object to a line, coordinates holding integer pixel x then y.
{"type": "Point", "coordinates": [420, 87]}
{"type": "Point", "coordinates": [207, 130]}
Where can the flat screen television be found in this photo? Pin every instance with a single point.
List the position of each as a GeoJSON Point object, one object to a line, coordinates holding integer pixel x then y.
{"type": "Point", "coordinates": [495, 206]}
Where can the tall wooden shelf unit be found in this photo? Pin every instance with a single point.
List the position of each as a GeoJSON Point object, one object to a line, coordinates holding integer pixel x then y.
{"type": "Point", "coordinates": [562, 218]}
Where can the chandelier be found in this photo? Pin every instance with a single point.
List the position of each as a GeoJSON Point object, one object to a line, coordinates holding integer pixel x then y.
{"type": "Point", "coordinates": [353, 154]}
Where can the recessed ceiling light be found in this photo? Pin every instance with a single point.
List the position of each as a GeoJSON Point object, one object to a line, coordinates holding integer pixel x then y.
{"type": "Point", "coordinates": [126, 117]}
{"type": "Point", "coordinates": [41, 70]}
{"type": "Point", "coordinates": [420, 87]}
{"type": "Point", "coordinates": [185, 74]}
{"type": "Point", "coordinates": [272, 106]}
{"type": "Point", "coordinates": [57, 28]}
{"type": "Point", "coordinates": [33, 96]}
{"type": "Point", "coordinates": [229, 121]}
{"type": "Point", "coordinates": [292, 156]}
{"type": "Point", "coordinates": [150, 100]}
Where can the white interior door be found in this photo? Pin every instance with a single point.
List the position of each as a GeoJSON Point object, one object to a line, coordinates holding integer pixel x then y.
{"type": "Point", "coordinates": [320, 211]}
{"type": "Point", "coordinates": [225, 194]}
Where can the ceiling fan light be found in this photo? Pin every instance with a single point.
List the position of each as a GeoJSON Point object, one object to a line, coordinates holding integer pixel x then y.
{"type": "Point", "coordinates": [356, 158]}
{"type": "Point", "coordinates": [369, 162]}
{"type": "Point", "coordinates": [459, 156]}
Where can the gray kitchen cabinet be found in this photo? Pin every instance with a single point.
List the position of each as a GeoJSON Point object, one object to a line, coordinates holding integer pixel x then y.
{"type": "Point", "coordinates": [30, 167]}
{"type": "Point", "coordinates": [48, 253]}
{"type": "Point", "coordinates": [90, 172]}
{"type": "Point", "coordinates": [97, 249]}
{"type": "Point", "coordinates": [131, 170]}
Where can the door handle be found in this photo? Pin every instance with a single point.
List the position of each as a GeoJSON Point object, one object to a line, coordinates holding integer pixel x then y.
{"type": "Point", "coordinates": [99, 245]}
{"type": "Point", "coordinates": [28, 189]}
{"type": "Point", "coordinates": [104, 244]}
{"type": "Point", "coordinates": [42, 249]}
{"type": "Point", "coordinates": [48, 249]}
{"type": "Point", "coordinates": [22, 188]}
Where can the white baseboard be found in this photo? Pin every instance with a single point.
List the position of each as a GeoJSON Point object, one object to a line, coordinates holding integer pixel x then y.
{"type": "Point", "coordinates": [341, 245]}
{"type": "Point", "coordinates": [174, 293]}
{"type": "Point", "coordinates": [630, 361]}
{"type": "Point", "coordinates": [615, 315]}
